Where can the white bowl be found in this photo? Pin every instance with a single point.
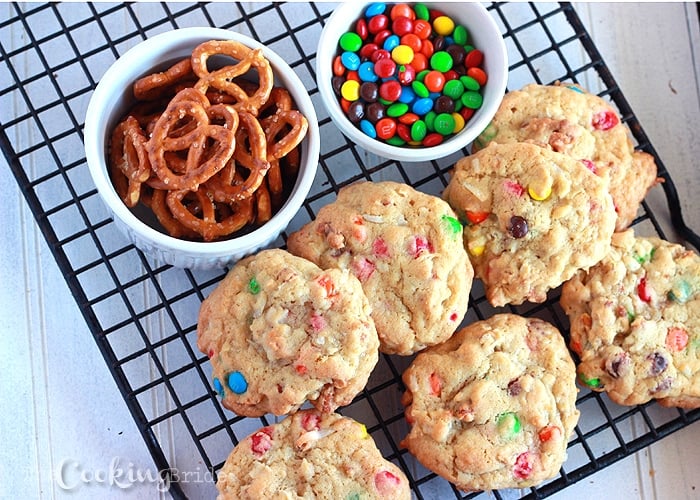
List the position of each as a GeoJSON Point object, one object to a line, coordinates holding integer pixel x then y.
{"type": "Point", "coordinates": [113, 97]}
{"type": "Point", "coordinates": [485, 36]}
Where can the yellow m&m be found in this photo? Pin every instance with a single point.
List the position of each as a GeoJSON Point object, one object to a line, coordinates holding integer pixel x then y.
{"type": "Point", "coordinates": [350, 90]}
{"type": "Point", "coordinates": [539, 193]}
{"type": "Point", "coordinates": [443, 25]}
{"type": "Point", "coordinates": [402, 54]}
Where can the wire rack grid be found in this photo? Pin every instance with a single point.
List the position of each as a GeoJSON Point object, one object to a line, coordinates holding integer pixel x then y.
{"type": "Point", "coordinates": [143, 317]}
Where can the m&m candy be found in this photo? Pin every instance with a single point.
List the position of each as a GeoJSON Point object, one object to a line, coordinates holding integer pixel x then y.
{"type": "Point", "coordinates": [408, 75]}
{"type": "Point", "coordinates": [237, 382]}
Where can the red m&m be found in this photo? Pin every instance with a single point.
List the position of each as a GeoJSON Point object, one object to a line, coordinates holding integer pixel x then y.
{"type": "Point", "coordinates": [411, 73]}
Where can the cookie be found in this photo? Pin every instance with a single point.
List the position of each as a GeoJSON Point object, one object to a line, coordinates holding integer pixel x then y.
{"type": "Point", "coordinates": [494, 406]}
{"type": "Point", "coordinates": [635, 322]}
{"type": "Point", "coordinates": [406, 248]}
{"type": "Point", "coordinates": [568, 120]}
{"type": "Point", "coordinates": [280, 331]}
{"type": "Point", "coordinates": [310, 455]}
{"type": "Point", "coordinates": [534, 218]}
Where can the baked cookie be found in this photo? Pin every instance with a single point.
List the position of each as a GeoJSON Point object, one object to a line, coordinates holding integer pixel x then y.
{"type": "Point", "coordinates": [494, 406]}
{"type": "Point", "coordinates": [280, 331]}
{"type": "Point", "coordinates": [406, 248]}
{"type": "Point", "coordinates": [535, 217]}
{"type": "Point", "coordinates": [314, 456]}
{"type": "Point", "coordinates": [566, 119]}
{"type": "Point", "coordinates": [635, 322]}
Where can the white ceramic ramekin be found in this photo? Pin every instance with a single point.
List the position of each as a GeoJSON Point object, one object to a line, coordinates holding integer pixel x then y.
{"type": "Point", "coordinates": [111, 99]}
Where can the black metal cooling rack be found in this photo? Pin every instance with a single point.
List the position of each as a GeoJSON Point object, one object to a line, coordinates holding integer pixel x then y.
{"type": "Point", "coordinates": [143, 317]}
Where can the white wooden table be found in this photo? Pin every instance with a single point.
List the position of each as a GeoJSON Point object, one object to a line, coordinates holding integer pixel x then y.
{"type": "Point", "coordinates": [63, 424]}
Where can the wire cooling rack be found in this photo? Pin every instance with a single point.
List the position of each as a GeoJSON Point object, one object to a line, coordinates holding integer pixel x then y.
{"type": "Point", "coordinates": [143, 315]}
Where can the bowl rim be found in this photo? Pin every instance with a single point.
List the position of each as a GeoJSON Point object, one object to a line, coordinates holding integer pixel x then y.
{"type": "Point", "coordinates": [343, 16]}
{"type": "Point", "coordinates": [95, 129]}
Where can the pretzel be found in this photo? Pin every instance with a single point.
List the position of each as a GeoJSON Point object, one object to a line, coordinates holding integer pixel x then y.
{"type": "Point", "coordinates": [183, 116]}
{"type": "Point", "coordinates": [223, 78]}
{"type": "Point", "coordinates": [224, 115]}
{"type": "Point", "coordinates": [147, 112]}
{"type": "Point", "coordinates": [274, 178]}
{"type": "Point", "coordinates": [216, 96]}
{"type": "Point", "coordinates": [277, 116]}
{"type": "Point", "coordinates": [128, 155]}
{"type": "Point", "coordinates": [263, 205]}
{"type": "Point", "coordinates": [186, 125]}
{"type": "Point", "coordinates": [215, 219]}
{"type": "Point", "coordinates": [158, 85]}
{"type": "Point", "coordinates": [291, 121]}
{"type": "Point", "coordinates": [251, 154]}
{"type": "Point", "coordinates": [283, 172]}
{"type": "Point", "coordinates": [290, 164]}
{"type": "Point", "coordinates": [120, 182]}
{"type": "Point", "coordinates": [280, 100]}
{"type": "Point", "coordinates": [162, 212]}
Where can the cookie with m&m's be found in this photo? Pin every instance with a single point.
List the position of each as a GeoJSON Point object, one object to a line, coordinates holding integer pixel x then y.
{"type": "Point", "coordinates": [280, 331]}
{"type": "Point", "coordinates": [635, 322]}
{"type": "Point", "coordinates": [494, 406]}
{"type": "Point", "coordinates": [569, 120]}
{"type": "Point", "coordinates": [406, 249]}
{"type": "Point", "coordinates": [534, 217]}
{"type": "Point", "coordinates": [311, 455]}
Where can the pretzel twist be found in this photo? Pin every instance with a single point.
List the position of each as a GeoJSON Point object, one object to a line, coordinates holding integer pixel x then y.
{"type": "Point", "coordinates": [223, 79]}
{"type": "Point", "coordinates": [213, 220]}
{"type": "Point", "coordinates": [250, 154]}
{"type": "Point", "coordinates": [158, 85]}
{"type": "Point", "coordinates": [129, 158]}
{"type": "Point", "coordinates": [185, 125]}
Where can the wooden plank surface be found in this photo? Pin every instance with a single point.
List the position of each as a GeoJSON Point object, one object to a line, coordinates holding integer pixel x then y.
{"type": "Point", "coordinates": [63, 420]}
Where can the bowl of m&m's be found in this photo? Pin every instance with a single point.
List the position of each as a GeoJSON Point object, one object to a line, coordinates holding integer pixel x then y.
{"type": "Point", "coordinates": [411, 81]}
